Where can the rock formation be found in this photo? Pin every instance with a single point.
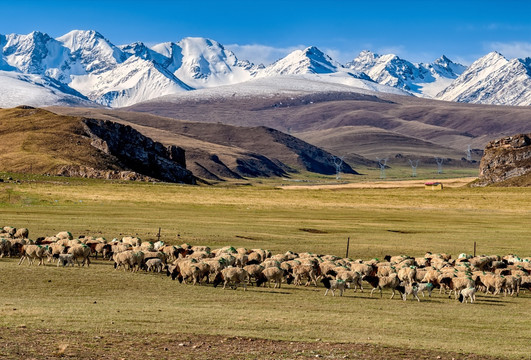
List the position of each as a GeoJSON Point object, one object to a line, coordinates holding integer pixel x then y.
{"type": "Point", "coordinates": [507, 161]}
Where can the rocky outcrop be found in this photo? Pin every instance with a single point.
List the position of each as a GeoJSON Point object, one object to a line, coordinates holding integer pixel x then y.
{"type": "Point", "coordinates": [140, 155]}
{"type": "Point", "coordinates": [506, 160]}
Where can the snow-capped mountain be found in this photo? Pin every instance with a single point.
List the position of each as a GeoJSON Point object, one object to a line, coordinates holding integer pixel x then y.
{"type": "Point", "coordinates": [493, 79]}
{"type": "Point", "coordinates": [83, 66]}
{"type": "Point", "coordinates": [36, 90]}
{"type": "Point", "coordinates": [308, 61]}
{"type": "Point", "coordinates": [424, 79]}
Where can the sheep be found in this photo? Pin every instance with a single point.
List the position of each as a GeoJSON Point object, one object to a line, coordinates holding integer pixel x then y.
{"type": "Point", "coordinates": [171, 251]}
{"type": "Point", "coordinates": [425, 287]}
{"type": "Point", "coordinates": [254, 271]}
{"type": "Point", "coordinates": [185, 270]}
{"type": "Point", "coordinates": [385, 270]}
{"type": "Point", "coordinates": [147, 246]}
{"type": "Point", "coordinates": [364, 269]}
{"type": "Point", "coordinates": [456, 283]}
{"type": "Point", "coordinates": [103, 249]}
{"type": "Point", "coordinates": [512, 285]}
{"type": "Point", "coordinates": [270, 263]}
{"type": "Point", "coordinates": [154, 264]}
{"type": "Point", "coordinates": [124, 259]}
{"type": "Point", "coordinates": [201, 248]}
{"type": "Point", "coordinates": [10, 231]}
{"type": "Point", "coordinates": [131, 240]}
{"type": "Point", "coordinates": [232, 274]}
{"type": "Point", "coordinates": [407, 274]}
{"type": "Point", "coordinates": [32, 252]}
{"type": "Point", "coordinates": [467, 293]}
{"type": "Point", "coordinates": [64, 235]}
{"type": "Point", "coordinates": [54, 250]}
{"type": "Point", "coordinates": [5, 247]}
{"type": "Point", "coordinates": [21, 233]}
{"type": "Point", "coordinates": [241, 259]}
{"type": "Point", "coordinates": [308, 271]}
{"type": "Point", "coordinates": [351, 278]}
{"type": "Point", "coordinates": [65, 259]}
{"type": "Point", "coordinates": [273, 274]}
{"type": "Point", "coordinates": [80, 251]}
{"type": "Point", "coordinates": [391, 281]}
{"type": "Point", "coordinates": [406, 289]}
{"type": "Point", "coordinates": [489, 280]}
{"type": "Point", "coordinates": [333, 285]}
{"type": "Point", "coordinates": [157, 245]}
{"type": "Point", "coordinates": [204, 271]}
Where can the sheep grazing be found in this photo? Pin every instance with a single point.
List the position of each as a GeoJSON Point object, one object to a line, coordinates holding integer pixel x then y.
{"type": "Point", "coordinates": [332, 285]}
{"type": "Point", "coordinates": [467, 293]}
{"type": "Point", "coordinates": [254, 271]}
{"type": "Point", "coordinates": [233, 275]}
{"type": "Point", "coordinates": [407, 274]}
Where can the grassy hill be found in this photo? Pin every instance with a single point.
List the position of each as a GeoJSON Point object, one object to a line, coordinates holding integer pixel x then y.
{"type": "Point", "coordinates": [39, 141]}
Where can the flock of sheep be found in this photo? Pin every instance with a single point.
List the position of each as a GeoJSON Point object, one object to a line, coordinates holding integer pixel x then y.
{"type": "Point", "coordinates": [233, 267]}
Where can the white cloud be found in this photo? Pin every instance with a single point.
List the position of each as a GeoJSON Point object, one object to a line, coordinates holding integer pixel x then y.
{"type": "Point", "coordinates": [261, 54]}
{"type": "Point", "coordinates": [511, 50]}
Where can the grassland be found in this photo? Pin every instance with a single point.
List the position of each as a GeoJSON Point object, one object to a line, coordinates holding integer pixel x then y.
{"type": "Point", "coordinates": [98, 300]}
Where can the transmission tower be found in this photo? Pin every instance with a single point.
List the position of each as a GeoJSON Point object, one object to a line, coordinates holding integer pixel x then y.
{"type": "Point", "coordinates": [414, 164]}
{"type": "Point", "coordinates": [469, 154]}
{"type": "Point", "coordinates": [382, 163]}
{"type": "Point", "coordinates": [439, 162]}
{"type": "Point", "coordinates": [338, 163]}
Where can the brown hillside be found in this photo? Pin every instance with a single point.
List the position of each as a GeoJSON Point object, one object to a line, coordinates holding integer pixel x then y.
{"type": "Point", "coordinates": [411, 125]}
{"type": "Point", "coordinates": [41, 142]}
{"type": "Point", "coordinates": [217, 151]}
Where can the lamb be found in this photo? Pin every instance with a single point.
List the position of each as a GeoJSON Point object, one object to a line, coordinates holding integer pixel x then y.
{"type": "Point", "coordinates": [232, 274]}
{"type": "Point", "coordinates": [154, 264]}
{"type": "Point", "coordinates": [391, 281]}
{"type": "Point", "coordinates": [467, 293]}
{"type": "Point", "coordinates": [408, 289]}
{"type": "Point", "coordinates": [333, 285]}
{"type": "Point", "coordinates": [80, 251]}
{"type": "Point", "coordinates": [273, 274]}
{"type": "Point", "coordinates": [425, 287]}
{"type": "Point", "coordinates": [65, 259]}
{"type": "Point", "coordinates": [32, 252]}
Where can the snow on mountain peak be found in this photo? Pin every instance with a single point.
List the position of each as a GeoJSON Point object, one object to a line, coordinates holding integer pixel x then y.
{"type": "Point", "coordinates": [92, 50]}
{"type": "Point", "coordinates": [307, 61]}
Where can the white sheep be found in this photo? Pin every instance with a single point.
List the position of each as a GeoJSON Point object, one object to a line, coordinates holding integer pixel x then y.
{"type": "Point", "coordinates": [467, 293]}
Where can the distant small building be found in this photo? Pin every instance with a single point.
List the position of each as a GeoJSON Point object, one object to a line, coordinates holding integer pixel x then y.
{"type": "Point", "coordinates": [433, 186]}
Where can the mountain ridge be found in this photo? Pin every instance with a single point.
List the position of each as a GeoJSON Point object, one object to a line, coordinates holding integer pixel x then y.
{"type": "Point", "coordinates": [117, 76]}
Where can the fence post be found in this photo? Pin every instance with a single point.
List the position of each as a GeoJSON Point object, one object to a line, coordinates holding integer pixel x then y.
{"type": "Point", "coordinates": [348, 243]}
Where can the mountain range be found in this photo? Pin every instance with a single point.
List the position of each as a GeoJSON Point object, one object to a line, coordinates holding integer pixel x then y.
{"type": "Point", "coordinates": [83, 68]}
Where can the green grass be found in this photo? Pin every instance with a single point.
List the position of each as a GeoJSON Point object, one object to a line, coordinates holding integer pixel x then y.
{"type": "Point", "coordinates": [378, 222]}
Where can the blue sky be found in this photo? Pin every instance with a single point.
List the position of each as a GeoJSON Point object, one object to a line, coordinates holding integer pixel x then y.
{"type": "Point", "coordinates": [263, 31]}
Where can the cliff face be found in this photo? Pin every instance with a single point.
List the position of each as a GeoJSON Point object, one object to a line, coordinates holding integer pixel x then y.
{"type": "Point", "coordinates": [138, 153]}
{"type": "Point", "coordinates": [507, 161]}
